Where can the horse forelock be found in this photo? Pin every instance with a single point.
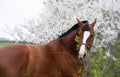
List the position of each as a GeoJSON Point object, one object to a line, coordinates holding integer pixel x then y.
{"type": "Point", "coordinates": [86, 27]}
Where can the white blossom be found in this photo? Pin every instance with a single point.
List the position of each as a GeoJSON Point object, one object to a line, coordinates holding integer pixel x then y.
{"type": "Point", "coordinates": [60, 15]}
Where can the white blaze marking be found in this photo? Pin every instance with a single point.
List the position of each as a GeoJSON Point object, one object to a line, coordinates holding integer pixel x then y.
{"type": "Point", "coordinates": [82, 48]}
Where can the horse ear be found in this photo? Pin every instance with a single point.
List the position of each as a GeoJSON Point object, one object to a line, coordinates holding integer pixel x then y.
{"type": "Point", "coordinates": [79, 22]}
{"type": "Point", "coordinates": [94, 22]}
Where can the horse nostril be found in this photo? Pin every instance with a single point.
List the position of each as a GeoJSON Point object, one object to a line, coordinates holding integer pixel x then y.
{"type": "Point", "coordinates": [84, 55]}
{"type": "Point", "coordinates": [81, 57]}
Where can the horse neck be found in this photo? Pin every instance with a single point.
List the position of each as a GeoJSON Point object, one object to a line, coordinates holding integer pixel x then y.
{"type": "Point", "coordinates": [69, 42]}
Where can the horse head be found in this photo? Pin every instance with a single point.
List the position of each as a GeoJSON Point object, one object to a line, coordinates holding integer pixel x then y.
{"type": "Point", "coordinates": [86, 33]}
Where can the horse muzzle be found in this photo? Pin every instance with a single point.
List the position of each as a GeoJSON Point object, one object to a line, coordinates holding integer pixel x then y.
{"type": "Point", "coordinates": [81, 57]}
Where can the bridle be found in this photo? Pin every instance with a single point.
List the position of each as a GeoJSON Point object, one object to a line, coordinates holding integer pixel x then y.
{"type": "Point", "coordinates": [87, 46]}
{"type": "Point", "coordinates": [85, 34]}
{"type": "Point", "coordinates": [91, 37]}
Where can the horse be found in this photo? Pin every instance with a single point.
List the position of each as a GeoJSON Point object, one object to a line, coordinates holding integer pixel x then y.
{"type": "Point", "coordinates": [58, 58]}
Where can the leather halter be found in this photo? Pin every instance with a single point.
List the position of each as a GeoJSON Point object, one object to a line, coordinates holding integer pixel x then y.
{"type": "Point", "coordinates": [87, 46]}
{"type": "Point", "coordinates": [85, 28]}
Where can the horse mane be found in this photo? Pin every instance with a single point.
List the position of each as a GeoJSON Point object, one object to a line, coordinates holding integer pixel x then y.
{"type": "Point", "coordinates": [69, 31]}
{"type": "Point", "coordinates": [72, 29]}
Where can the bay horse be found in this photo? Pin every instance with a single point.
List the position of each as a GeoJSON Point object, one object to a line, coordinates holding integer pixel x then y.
{"type": "Point", "coordinates": [58, 58]}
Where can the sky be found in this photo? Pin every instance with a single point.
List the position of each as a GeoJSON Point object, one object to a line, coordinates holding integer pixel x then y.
{"type": "Point", "coordinates": [13, 12]}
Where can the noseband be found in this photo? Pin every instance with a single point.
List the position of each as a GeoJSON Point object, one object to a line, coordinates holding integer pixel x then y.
{"type": "Point", "coordinates": [87, 46]}
{"type": "Point", "coordinates": [85, 28]}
